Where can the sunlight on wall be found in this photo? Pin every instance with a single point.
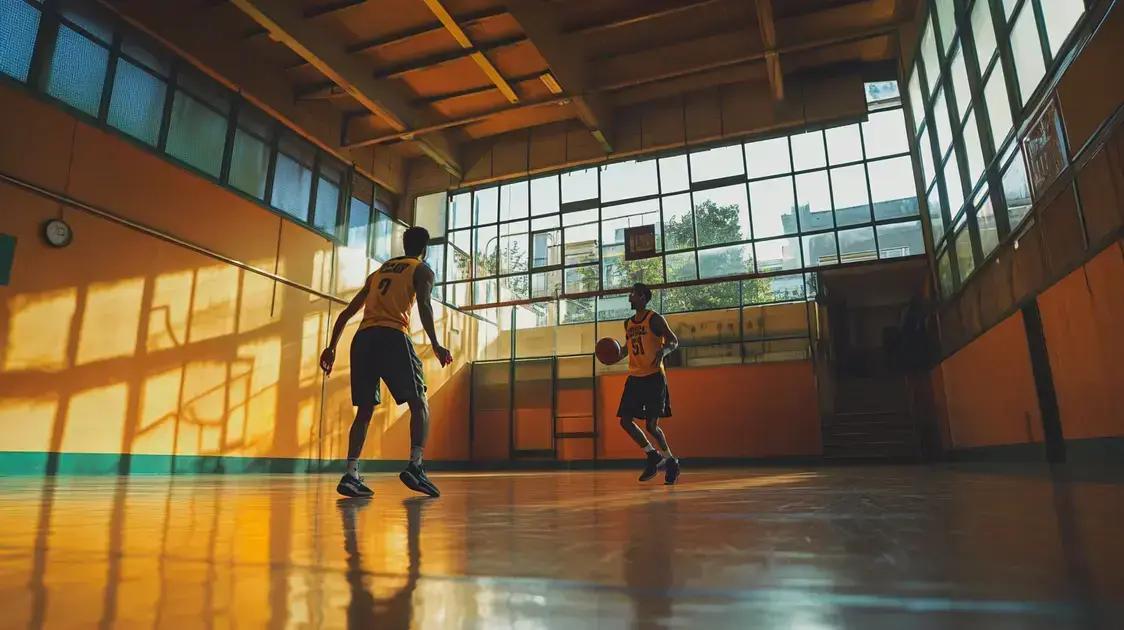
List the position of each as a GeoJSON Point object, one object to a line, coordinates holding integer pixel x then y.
{"type": "Point", "coordinates": [321, 273]}
{"type": "Point", "coordinates": [213, 307]}
{"type": "Point", "coordinates": [261, 411]}
{"type": "Point", "coordinates": [159, 403]}
{"type": "Point", "coordinates": [203, 409]}
{"type": "Point", "coordinates": [110, 320]}
{"type": "Point", "coordinates": [351, 271]}
{"type": "Point", "coordinates": [307, 422]}
{"type": "Point", "coordinates": [26, 424]}
{"type": "Point", "coordinates": [167, 316]}
{"type": "Point", "coordinates": [239, 392]}
{"type": "Point", "coordinates": [95, 420]}
{"type": "Point", "coordinates": [488, 341]}
{"type": "Point", "coordinates": [312, 341]}
{"type": "Point", "coordinates": [257, 299]}
{"type": "Point", "coordinates": [39, 329]}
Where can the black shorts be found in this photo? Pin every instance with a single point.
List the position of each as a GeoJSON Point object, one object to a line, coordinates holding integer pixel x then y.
{"type": "Point", "coordinates": [385, 354]}
{"type": "Point", "coordinates": [645, 397]}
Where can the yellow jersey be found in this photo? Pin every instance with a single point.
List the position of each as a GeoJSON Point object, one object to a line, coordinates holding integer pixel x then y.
{"type": "Point", "coordinates": [391, 295]}
{"type": "Point", "coordinates": [642, 345]}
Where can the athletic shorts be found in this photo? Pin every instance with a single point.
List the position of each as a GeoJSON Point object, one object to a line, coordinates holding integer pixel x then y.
{"type": "Point", "coordinates": [645, 397]}
{"type": "Point", "coordinates": [384, 354]}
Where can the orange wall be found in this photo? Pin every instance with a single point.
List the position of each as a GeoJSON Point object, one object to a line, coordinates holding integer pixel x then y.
{"type": "Point", "coordinates": [125, 343]}
{"type": "Point", "coordinates": [990, 397]}
{"type": "Point", "coordinates": [765, 410]}
{"type": "Point", "coordinates": [1082, 316]}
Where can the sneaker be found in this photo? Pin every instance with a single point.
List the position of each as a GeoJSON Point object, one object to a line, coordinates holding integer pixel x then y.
{"type": "Point", "coordinates": [415, 479]}
{"type": "Point", "coordinates": [353, 487]}
{"type": "Point", "coordinates": [671, 475]}
{"type": "Point", "coordinates": [653, 465]}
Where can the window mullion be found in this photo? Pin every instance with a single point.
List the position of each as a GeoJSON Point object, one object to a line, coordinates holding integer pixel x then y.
{"type": "Point", "coordinates": [110, 77]}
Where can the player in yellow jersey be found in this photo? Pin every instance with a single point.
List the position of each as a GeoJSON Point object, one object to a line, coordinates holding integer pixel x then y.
{"type": "Point", "coordinates": [648, 339]}
{"type": "Point", "coordinates": [382, 350]}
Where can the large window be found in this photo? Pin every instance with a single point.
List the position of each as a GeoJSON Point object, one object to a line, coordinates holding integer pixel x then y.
{"type": "Point", "coordinates": [197, 130]}
{"type": "Point", "coordinates": [763, 207]}
{"type": "Point", "coordinates": [19, 22]}
{"type": "Point", "coordinates": [140, 85]}
{"type": "Point", "coordinates": [984, 63]}
{"type": "Point", "coordinates": [88, 59]}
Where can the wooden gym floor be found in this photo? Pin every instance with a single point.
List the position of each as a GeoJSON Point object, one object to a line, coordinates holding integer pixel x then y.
{"type": "Point", "coordinates": [861, 547]}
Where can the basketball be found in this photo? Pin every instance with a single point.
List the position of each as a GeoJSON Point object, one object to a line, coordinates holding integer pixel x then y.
{"type": "Point", "coordinates": [608, 350]}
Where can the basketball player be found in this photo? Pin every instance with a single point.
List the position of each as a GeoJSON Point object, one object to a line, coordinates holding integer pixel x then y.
{"type": "Point", "coordinates": [648, 339]}
{"type": "Point", "coordinates": [382, 350]}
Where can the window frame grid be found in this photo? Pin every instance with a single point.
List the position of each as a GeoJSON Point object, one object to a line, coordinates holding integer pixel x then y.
{"type": "Point", "coordinates": [46, 34]}
{"type": "Point", "coordinates": [659, 196]}
{"type": "Point", "coordinates": [997, 153]}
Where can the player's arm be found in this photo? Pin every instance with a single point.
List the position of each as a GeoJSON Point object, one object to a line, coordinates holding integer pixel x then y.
{"type": "Point", "coordinates": [670, 341]}
{"type": "Point", "coordinates": [328, 357]}
{"type": "Point", "coordinates": [423, 284]}
{"type": "Point", "coordinates": [624, 346]}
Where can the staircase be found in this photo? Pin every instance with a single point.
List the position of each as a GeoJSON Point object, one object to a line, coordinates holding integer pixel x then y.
{"type": "Point", "coordinates": [863, 371]}
{"type": "Point", "coordinates": [871, 419]}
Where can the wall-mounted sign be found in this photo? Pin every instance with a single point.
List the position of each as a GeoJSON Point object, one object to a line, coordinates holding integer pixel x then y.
{"type": "Point", "coordinates": [7, 257]}
{"type": "Point", "coordinates": [639, 242]}
{"type": "Point", "coordinates": [1045, 150]}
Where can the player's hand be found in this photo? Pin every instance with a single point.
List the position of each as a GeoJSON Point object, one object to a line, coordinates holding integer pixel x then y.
{"type": "Point", "coordinates": [443, 355]}
{"type": "Point", "coordinates": [327, 359]}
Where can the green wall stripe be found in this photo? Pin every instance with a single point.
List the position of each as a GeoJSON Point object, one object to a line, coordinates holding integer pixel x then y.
{"type": "Point", "coordinates": [39, 463]}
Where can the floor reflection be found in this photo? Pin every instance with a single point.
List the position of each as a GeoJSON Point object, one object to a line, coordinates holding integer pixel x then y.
{"type": "Point", "coordinates": [883, 547]}
{"type": "Point", "coordinates": [648, 565]}
{"type": "Point", "coordinates": [364, 610]}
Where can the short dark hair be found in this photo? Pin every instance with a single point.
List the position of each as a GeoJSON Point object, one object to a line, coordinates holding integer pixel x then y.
{"type": "Point", "coordinates": [415, 240]}
{"type": "Point", "coordinates": [643, 289]}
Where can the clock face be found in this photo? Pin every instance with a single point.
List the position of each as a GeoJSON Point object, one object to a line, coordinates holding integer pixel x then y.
{"type": "Point", "coordinates": [58, 233]}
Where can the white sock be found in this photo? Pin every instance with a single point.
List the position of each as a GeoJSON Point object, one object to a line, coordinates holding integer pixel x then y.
{"type": "Point", "coordinates": [666, 454]}
{"type": "Point", "coordinates": [353, 467]}
{"type": "Point", "coordinates": [416, 455]}
{"type": "Point", "coordinates": [649, 449]}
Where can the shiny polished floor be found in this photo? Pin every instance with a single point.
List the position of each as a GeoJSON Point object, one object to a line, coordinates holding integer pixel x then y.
{"type": "Point", "coordinates": [877, 547]}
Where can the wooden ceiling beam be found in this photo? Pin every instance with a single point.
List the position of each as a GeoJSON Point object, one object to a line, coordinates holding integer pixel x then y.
{"type": "Point", "coordinates": [447, 97]}
{"type": "Point", "coordinates": [756, 56]}
{"type": "Point", "coordinates": [467, 20]}
{"type": "Point", "coordinates": [478, 57]}
{"type": "Point", "coordinates": [566, 59]}
{"type": "Point", "coordinates": [458, 122]}
{"type": "Point", "coordinates": [632, 20]}
{"type": "Point", "coordinates": [440, 59]}
{"type": "Point", "coordinates": [823, 39]}
{"type": "Point", "coordinates": [287, 24]}
{"type": "Point", "coordinates": [768, 30]}
{"type": "Point", "coordinates": [326, 90]}
{"type": "Point", "coordinates": [325, 9]}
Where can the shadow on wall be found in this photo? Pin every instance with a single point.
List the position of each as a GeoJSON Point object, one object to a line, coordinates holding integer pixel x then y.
{"type": "Point", "coordinates": [146, 349]}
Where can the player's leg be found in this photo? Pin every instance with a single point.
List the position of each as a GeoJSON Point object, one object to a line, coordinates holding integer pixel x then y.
{"type": "Point", "coordinates": [364, 396]}
{"type": "Point", "coordinates": [632, 406]}
{"type": "Point", "coordinates": [654, 430]}
{"type": "Point", "coordinates": [406, 382]}
{"type": "Point", "coordinates": [351, 484]}
{"type": "Point", "coordinates": [661, 402]}
{"type": "Point", "coordinates": [634, 432]}
{"type": "Point", "coordinates": [667, 461]}
{"type": "Point", "coordinates": [414, 475]}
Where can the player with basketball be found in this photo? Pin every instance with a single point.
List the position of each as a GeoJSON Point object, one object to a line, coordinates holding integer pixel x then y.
{"type": "Point", "coordinates": [648, 339]}
{"type": "Point", "coordinates": [382, 350]}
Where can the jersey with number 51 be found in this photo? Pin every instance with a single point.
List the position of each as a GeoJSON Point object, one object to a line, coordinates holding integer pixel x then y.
{"type": "Point", "coordinates": [643, 345]}
{"type": "Point", "coordinates": [391, 295]}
